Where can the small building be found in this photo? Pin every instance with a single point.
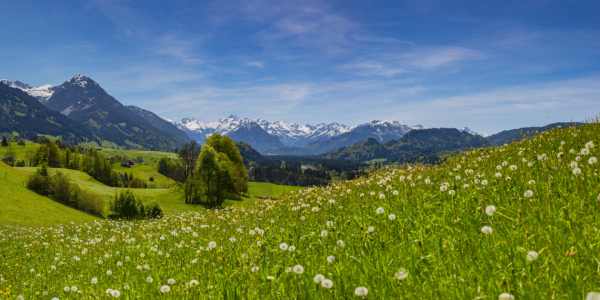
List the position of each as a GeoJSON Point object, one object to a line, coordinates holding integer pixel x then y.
{"type": "Point", "coordinates": [132, 163]}
{"type": "Point", "coordinates": [125, 165]}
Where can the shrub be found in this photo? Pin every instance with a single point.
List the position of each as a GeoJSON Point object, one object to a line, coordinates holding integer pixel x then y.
{"type": "Point", "coordinates": [60, 190]}
{"type": "Point", "coordinates": [126, 205]}
{"type": "Point", "coordinates": [154, 210]}
{"type": "Point", "coordinates": [89, 202]}
{"type": "Point", "coordinates": [39, 182]}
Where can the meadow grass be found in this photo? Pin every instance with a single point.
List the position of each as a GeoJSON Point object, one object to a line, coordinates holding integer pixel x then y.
{"type": "Point", "coordinates": [513, 222]}
{"type": "Point", "coordinates": [20, 206]}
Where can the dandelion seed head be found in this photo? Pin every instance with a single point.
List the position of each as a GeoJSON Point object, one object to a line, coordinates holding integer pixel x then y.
{"type": "Point", "coordinates": [487, 230]}
{"type": "Point", "coordinates": [490, 210]}
{"type": "Point", "coordinates": [361, 291]}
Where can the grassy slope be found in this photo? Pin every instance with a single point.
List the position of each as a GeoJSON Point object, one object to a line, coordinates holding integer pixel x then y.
{"type": "Point", "coordinates": [20, 206]}
{"type": "Point", "coordinates": [170, 199]}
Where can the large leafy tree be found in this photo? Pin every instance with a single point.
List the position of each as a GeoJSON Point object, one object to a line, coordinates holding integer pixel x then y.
{"type": "Point", "coordinates": [215, 176]}
{"type": "Point", "coordinates": [225, 145]}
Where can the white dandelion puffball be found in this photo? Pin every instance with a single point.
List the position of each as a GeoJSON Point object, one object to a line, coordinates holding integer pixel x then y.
{"type": "Point", "coordinates": [443, 188]}
{"type": "Point", "coordinates": [486, 230]}
{"type": "Point", "coordinates": [490, 210]}
{"type": "Point", "coordinates": [329, 223]}
{"type": "Point", "coordinates": [506, 296]}
{"type": "Point", "coordinates": [484, 182]}
{"type": "Point", "coordinates": [513, 167]}
{"type": "Point", "coordinates": [401, 274]}
{"type": "Point", "coordinates": [292, 248]}
{"type": "Point", "coordinates": [361, 291]}
{"type": "Point", "coordinates": [298, 269]}
{"type": "Point", "coordinates": [342, 244]}
{"type": "Point", "coordinates": [577, 171]}
{"type": "Point", "coordinates": [171, 281]}
{"type": "Point", "coordinates": [194, 282]}
{"type": "Point", "coordinates": [115, 293]}
{"type": "Point", "coordinates": [379, 210]}
{"type": "Point", "coordinates": [593, 296]}
{"type": "Point", "coordinates": [108, 291]}
{"type": "Point", "coordinates": [126, 287]}
{"type": "Point", "coordinates": [109, 272]}
{"type": "Point", "coordinates": [232, 239]}
{"type": "Point", "coordinates": [592, 160]}
{"type": "Point", "coordinates": [531, 181]}
{"type": "Point", "coordinates": [381, 196]}
{"type": "Point", "coordinates": [319, 278]}
{"type": "Point", "coordinates": [585, 151]}
{"type": "Point", "coordinates": [94, 280]}
{"type": "Point", "coordinates": [283, 246]}
{"type": "Point", "coordinates": [589, 145]}
{"type": "Point", "coordinates": [327, 283]}
{"type": "Point", "coordinates": [331, 258]}
{"type": "Point", "coordinates": [324, 233]}
{"type": "Point", "coordinates": [255, 269]}
{"type": "Point", "coordinates": [528, 193]}
{"type": "Point", "coordinates": [392, 217]}
{"type": "Point", "coordinates": [212, 244]}
{"type": "Point", "coordinates": [371, 229]}
{"type": "Point", "coordinates": [270, 278]}
{"type": "Point", "coordinates": [149, 279]}
{"type": "Point", "coordinates": [165, 289]}
{"type": "Point", "coordinates": [532, 255]}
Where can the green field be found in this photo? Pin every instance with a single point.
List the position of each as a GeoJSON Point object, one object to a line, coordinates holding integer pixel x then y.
{"type": "Point", "coordinates": [170, 198]}
{"type": "Point", "coordinates": [20, 206]}
{"type": "Point", "coordinates": [512, 222]}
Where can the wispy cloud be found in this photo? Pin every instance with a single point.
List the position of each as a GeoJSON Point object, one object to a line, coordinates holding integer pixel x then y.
{"type": "Point", "coordinates": [416, 59]}
{"type": "Point", "coordinates": [258, 64]}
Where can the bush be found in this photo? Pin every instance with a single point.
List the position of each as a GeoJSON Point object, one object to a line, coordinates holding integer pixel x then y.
{"type": "Point", "coordinates": [60, 190]}
{"type": "Point", "coordinates": [90, 202]}
{"type": "Point", "coordinates": [154, 210]}
{"type": "Point", "coordinates": [39, 182]}
{"type": "Point", "coordinates": [128, 206]}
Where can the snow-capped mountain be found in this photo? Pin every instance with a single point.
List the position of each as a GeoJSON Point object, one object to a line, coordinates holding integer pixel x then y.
{"type": "Point", "coordinates": [291, 135]}
{"type": "Point", "coordinates": [469, 130]}
{"type": "Point", "coordinates": [42, 93]}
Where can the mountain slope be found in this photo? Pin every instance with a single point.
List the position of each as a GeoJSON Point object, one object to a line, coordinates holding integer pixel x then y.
{"type": "Point", "coordinates": [26, 116]}
{"type": "Point", "coordinates": [508, 136]}
{"type": "Point", "coordinates": [255, 136]}
{"type": "Point", "coordinates": [42, 93]}
{"type": "Point", "coordinates": [159, 122]}
{"type": "Point", "coordinates": [83, 100]}
{"type": "Point", "coordinates": [424, 140]}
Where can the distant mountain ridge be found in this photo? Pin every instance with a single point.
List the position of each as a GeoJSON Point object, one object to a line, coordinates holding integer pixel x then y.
{"type": "Point", "coordinates": [432, 139]}
{"type": "Point", "coordinates": [28, 117]}
{"type": "Point", "coordinates": [42, 93]}
{"type": "Point", "coordinates": [83, 100]}
{"type": "Point", "coordinates": [159, 122]}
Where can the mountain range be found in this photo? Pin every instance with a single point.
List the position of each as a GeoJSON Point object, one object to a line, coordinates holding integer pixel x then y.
{"type": "Point", "coordinates": [83, 100]}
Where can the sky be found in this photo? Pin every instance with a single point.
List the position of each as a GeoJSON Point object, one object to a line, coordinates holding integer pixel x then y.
{"type": "Point", "coordinates": [489, 65]}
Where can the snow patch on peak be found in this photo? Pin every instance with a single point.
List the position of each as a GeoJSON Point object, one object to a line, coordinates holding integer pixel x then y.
{"type": "Point", "coordinates": [42, 93]}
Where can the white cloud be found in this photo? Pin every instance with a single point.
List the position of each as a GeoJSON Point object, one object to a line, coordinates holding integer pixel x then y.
{"type": "Point", "coordinates": [258, 64]}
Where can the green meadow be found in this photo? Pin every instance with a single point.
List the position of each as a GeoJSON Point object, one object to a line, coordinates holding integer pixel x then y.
{"type": "Point", "coordinates": [518, 221]}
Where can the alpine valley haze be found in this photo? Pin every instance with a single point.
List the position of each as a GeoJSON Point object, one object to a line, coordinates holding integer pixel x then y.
{"type": "Point", "coordinates": [318, 149]}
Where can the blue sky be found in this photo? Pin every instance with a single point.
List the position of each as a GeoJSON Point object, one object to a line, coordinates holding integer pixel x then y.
{"type": "Point", "coordinates": [489, 65]}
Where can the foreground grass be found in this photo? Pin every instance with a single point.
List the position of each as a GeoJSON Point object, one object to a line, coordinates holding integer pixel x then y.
{"type": "Point", "coordinates": [20, 206]}
{"type": "Point", "coordinates": [400, 234]}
